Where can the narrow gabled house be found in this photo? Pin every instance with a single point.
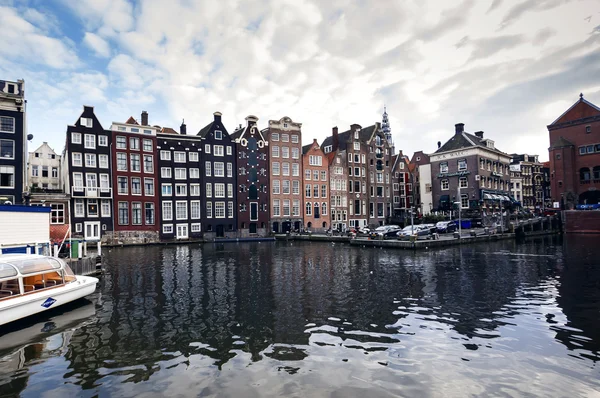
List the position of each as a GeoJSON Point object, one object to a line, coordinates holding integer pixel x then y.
{"type": "Point", "coordinates": [285, 138]}
{"type": "Point", "coordinates": [179, 182]}
{"type": "Point", "coordinates": [252, 180]}
{"type": "Point", "coordinates": [135, 200]}
{"type": "Point", "coordinates": [400, 191]}
{"type": "Point", "coordinates": [380, 175]}
{"type": "Point", "coordinates": [13, 142]}
{"type": "Point", "coordinates": [316, 188]}
{"type": "Point", "coordinates": [87, 171]}
{"type": "Point", "coordinates": [420, 179]}
{"type": "Point", "coordinates": [219, 199]}
{"type": "Point", "coordinates": [338, 181]}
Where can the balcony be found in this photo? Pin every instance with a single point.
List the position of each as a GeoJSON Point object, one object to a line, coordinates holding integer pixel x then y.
{"type": "Point", "coordinates": [91, 192]}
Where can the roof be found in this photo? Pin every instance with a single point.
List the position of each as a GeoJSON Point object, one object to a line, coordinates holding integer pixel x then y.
{"type": "Point", "coordinates": [364, 135]}
{"type": "Point", "coordinates": [204, 130]}
{"type": "Point", "coordinates": [168, 130]}
{"type": "Point", "coordinates": [579, 110]}
{"type": "Point", "coordinates": [306, 148]}
{"type": "Point", "coordinates": [465, 140]}
{"type": "Point", "coordinates": [131, 120]}
{"type": "Point", "coordinates": [561, 142]}
{"type": "Point", "coordinates": [238, 133]}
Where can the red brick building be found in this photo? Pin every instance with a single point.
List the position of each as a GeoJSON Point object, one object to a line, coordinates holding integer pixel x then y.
{"type": "Point", "coordinates": [135, 201]}
{"type": "Point", "coordinates": [575, 155]}
{"type": "Point", "coordinates": [316, 188]}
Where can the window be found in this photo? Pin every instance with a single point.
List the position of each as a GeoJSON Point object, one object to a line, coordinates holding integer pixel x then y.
{"type": "Point", "coordinates": [230, 170]}
{"type": "Point", "coordinates": [147, 145]}
{"type": "Point", "coordinates": [218, 150]}
{"type": "Point", "coordinates": [167, 189]}
{"type": "Point", "coordinates": [464, 201]}
{"type": "Point", "coordinates": [102, 161]}
{"type": "Point", "coordinates": [207, 148]}
{"type": "Point", "coordinates": [296, 187]}
{"type": "Point", "coordinates": [135, 162]}
{"type": "Point", "coordinates": [79, 208]}
{"type": "Point", "coordinates": [57, 213]}
{"type": "Point", "coordinates": [105, 208]}
{"type": "Point", "coordinates": [558, 156]}
{"type": "Point", "coordinates": [219, 190]}
{"type": "Point", "coordinates": [193, 156]}
{"type": "Point", "coordinates": [90, 160]}
{"type": "Point", "coordinates": [285, 137]}
{"type": "Point", "coordinates": [180, 174]}
{"type": "Point", "coordinates": [275, 167]}
{"type": "Point", "coordinates": [219, 169]}
{"type": "Point", "coordinates": [77, 159]}
{"type": "Point", "coordinates": [136, 213]}
{"type": "Point", "coordinates": [75, 137]}
{"type": "Point", "coordinates": [285, 169]}
{"type": "Point", "coordinates": [167, 210]}
{"type": "Point", "coordinates": [462, 164]}
{"type": "Point", "coordinates": [195, 209]}
{"type": "Point", "coordinates": [195, 227]}
{"type": "Point", "coordinates": [324, 208]}
{"type": "Point", "coordinates": [356, 146]}
{"type": "Point", "coordinates": [86, 122]}
{"type": "Point", "coordinates": [285, 152]}
{"type": "Point", "coordinates": [276, 187]}
{"type": "Point", "coordinates": [308, 209]}
{"type": "Point", "coordinates": [295, 139]}
{"type": "Point", "coordinates": [122, 188]}
{"type": "Point", "coordinates": [463, 182]}
{"type": "Point", "coordinates": [219, 209]}
{"type": "Point", "coordinates": [315, 160]}
{"type": "Point", "coordinates": [149, 213]}
{"type": "Point", "coordinates": [286, 187]}
{"type": "Point", "coordinates": [167, 229]}
{"type": "Point", "coordinates": [165, 155]}
{"type": "Point", "coordinates": [295, 153]}
{"type": "Point", "coordinates": [165, 172]}
{"type": "Point", "coordinates": [123, 213]}
{"type": "Point", "coordinates": [7, 149]}
{"type": "Point", "coordinates": [7, 125]}
{"type": "Point", "coordinates": [194, 189]}
{"type": "Point", "coordinates": [445, 185]}
{"type": "Point", "coordinates": [194, 173]}
{"type": "Point", "coordinates": [134, 143]}
{"type": "Point", "coordinates": [229, 150]}
{"type": "Point", "coordinates": [218, 135]}
{"type": "Point", "coordinates": [181, 210]}
{"type": "Point", "coordinates": [316, 175]}
{"type": "Point", "coordinates": [275, 137]}
{"type": "Point", "coordinates": [207, 169]}
{"type": "Point", "coordinates": [230, 190]}
{"type": "Point", "coordinates": [208, 190]}
{"type": "Point", "coordinates": [323, 191]}
{"type": "Point", "coordinates": [307, 191]}
{"type": "Point", "coordinates": [148, 164]}
{"type": "Point", "coordinates": [588, 129]}
{"type": "Point", "coordinates": [296, 207]}
{"type": "Point", "coordinates": [90, 141]}
{"type": "Point", "coordinates": [149, 186]}
{"type": "Point", "coordinates": [77, 182]}
{"type": "Point", "coordinates": [136, 186]}
{"type": "Point", "coordinates": [179, 157]}
{"type": "Point", "coordinates": [582, 150]}
{"type": "Point", "coordinates": [444, 167]}
{"type": "Point", "coordinates": [104, 183]}
{"type": "Point", "coordinates": [276, 208]}
{"type": "Point", "coordinates": [275, 152]}
{"type": "Point", "coordinates": [307, 174]}
{"type": "Point", "coordinates": [121, 142]}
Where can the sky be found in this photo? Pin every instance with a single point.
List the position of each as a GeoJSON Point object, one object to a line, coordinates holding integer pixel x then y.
{"type": "Point", "coordinates": [507, 67]}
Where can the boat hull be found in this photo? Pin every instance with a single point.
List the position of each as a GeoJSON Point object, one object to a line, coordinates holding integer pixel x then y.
{"type": "Point", "coordinates": [37, 302]}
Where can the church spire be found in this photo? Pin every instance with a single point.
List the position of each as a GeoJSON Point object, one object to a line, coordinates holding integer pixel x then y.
{"type": "Point", "coordinates": [385, 126]}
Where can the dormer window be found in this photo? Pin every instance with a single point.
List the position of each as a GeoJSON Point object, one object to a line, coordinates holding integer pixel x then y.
{"type": "Point", "coordinates": [12, 89]}
{"type": "Point", "coordinates": [218, 135]}
{"type": "Point", "coordinates": [356, 134]}
{"type": "Point", "coordinates": [285, 125]}
{"type": "Point", "coordinates": [86, 122]}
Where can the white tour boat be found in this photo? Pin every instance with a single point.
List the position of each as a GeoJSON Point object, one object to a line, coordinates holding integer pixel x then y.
{"type": "Point", "coordinates": [30, 284]}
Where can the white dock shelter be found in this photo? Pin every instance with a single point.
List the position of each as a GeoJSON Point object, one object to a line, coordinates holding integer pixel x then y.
{"type": "Point", "coordinates": [24, 229]}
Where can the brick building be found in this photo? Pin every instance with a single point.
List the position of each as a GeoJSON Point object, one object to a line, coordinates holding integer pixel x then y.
{"type": "Point", "coordinates": [338, 184]}
{"type": "Point", "coordinates": [575, 155]}
{"type": "Point", "coordinates": [13, 142]}
{"type": "Point", "coordinates": [530, 172]}
{"type": "Point", "coordinates": [285, 163]}
{"type": "Point", "coordinates": [316, 188]}
{"type": "Point", "coordinates": [253, 179]}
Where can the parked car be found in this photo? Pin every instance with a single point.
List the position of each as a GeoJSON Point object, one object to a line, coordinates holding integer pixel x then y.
{"type": "Point", "coordinates": [362, 230]}
{"type": "Point", "coordinates": [392, 230]}
{"type": "Point", "coordinates": [385, 230]}
{"type": "Point", "coordinates": [446, 227]}
{"type": "Point", "coordinates": [409, 230]}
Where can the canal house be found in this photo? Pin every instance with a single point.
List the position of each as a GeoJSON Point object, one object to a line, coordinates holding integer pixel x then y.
{"type": "Point", "coordinates": [252, 179]}
{"type": "Point", "coordinates": [338, 182]}
{"type": "Point", "coordinates": [219, 199]}
{"type": "Point", "coordinates": [179, 182]}
{"type": "Point", "coordinates": [87, 176]}
{"type": "Point", "coordinates": [135, 200]}
{"type": "Point", "coordinates": [285, 138]}
{"type": "Point", "coordinates": [316, 188]}
{"type": "Point", "coordinates": [13, 142]}
{"type": "Point", "coordinates": [379, 169]}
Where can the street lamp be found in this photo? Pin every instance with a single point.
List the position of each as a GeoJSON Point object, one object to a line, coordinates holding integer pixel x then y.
{"type": "Point", "coordinates": [458, 205]}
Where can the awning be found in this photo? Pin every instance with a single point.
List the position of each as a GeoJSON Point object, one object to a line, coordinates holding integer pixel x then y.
{"type": "Point", "coordinates": [487, 196]}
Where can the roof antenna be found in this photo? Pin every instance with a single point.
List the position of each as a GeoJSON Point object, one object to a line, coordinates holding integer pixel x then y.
{"type": "Point", "coordinates": [580, 95]}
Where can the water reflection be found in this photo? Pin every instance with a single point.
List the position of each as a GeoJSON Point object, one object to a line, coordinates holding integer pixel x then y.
{"type": "Point", "coordinates": [267, 319]}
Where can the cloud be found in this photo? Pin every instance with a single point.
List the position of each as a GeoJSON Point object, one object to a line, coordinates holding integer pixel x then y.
{"type": "Point", "coordinates": [483, 48]}
{"type": "Point", "coordinates": [22, 41]}
{"type": "Point", "coordinates": [527, 6]}
{"type": "Point", "coordinates": [542, 36]}
{"type": "Point", "coordinates": [96, 43]}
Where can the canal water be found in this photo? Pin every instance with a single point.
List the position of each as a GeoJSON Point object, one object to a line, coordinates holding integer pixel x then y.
{"type": "Point", "coordinates": [308, 319]}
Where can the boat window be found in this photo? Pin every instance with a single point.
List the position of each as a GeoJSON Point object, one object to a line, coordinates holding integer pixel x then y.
{"type": "Point", "coordinates": [42, 281]}
{"type": "Point", "coordinates": [33, 265]}
{"type": "Point", "coordinates": [7, 271]}
{"type": "Point", "coordinates": [9, 288]}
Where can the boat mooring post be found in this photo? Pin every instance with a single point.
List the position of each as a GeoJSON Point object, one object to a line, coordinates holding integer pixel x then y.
{"type": "Point", "coordinates": [79, 251]}
{"type": "Point", "coordinates": [55, 250]}
{"type": "Point", "coordinates": [85, 248]}
{"type": "Point", "coordinates": [99, 249]}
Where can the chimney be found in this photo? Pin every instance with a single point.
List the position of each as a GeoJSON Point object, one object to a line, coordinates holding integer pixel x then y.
{"type": "Point", "coordinates": [439, 145]}
{"type": "Point", "coordinates": [335, 138]}
{"type": "Point", "coordinates": [459, 128]}
{"type": "Point", "coordinates": [479, 134]}
{"type": "Point", "coordinates": [217, 116]}
{"type": "Point", "coordinates": [183, 128]}
{"type": "Point", "coordinates": [144, 118]}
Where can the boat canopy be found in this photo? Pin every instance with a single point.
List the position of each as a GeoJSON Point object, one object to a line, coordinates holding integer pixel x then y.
{"type": "Point", "coordinates": [13, 266]}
